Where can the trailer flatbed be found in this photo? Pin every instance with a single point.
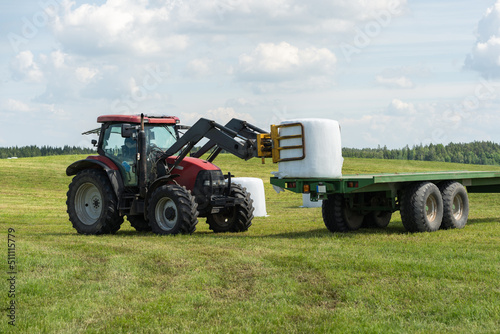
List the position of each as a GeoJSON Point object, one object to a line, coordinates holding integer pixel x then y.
{"type": "Point", "coordinates": [427, 200]}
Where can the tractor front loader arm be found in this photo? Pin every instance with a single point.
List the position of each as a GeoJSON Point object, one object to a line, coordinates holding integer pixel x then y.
{"type": "Point", "coordinates": [237, 137]}
{"type": "Point", "coordinates": [240, 128]}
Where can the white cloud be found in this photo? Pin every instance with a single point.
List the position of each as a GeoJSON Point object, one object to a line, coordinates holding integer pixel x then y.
{"type": "Point", "coordinates": [394, 82]}
{"type": "Point", "coordinates": [284, 62]}
{"type": "Point", "coordinates": [24, 67]}
{"type": "Point", "coordinates": [199, 67]}
{"type": "Point", "coordinates": [91, 57]}
{"type": "Point", "coordinates": [407, 123]}
{"type": "Point", "coordinates": [485, 56]}
{"type": "Point", "coordinates": [399, 124]}
{"type": "Point", "coordinates": [85, 74]}
{"type": "Point", "coordinates": [401, 108]}
{"type": "Point", "coordinates": [155, 28]}
{"type": "Point", "coordinates": [221, 115]}
{"type": "Point", "coordinates": [16, 106]}
{"type": "Point", "coordinates": [118, 27]}
{"type": "Point", "coordinates": [55, 112]}
{"type": "Point", "coordinates": [58, 58]}
{"type": "Point", "coordinates": [286, 16]}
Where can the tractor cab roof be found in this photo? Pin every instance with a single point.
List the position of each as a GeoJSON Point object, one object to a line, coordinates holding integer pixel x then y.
{"type": "Point", "coordinates": [137, 119]}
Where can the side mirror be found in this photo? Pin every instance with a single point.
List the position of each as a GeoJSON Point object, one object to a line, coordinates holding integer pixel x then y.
{"type": "Point", "coordinates": [94, 142]}
{"type": "Point", "coordinates": [128, 130]}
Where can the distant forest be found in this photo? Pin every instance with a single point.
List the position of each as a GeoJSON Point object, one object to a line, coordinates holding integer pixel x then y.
{"type": "Point", "coordinates": [479, 153]}
{"type": "Point", "coordinates": [35, 151]}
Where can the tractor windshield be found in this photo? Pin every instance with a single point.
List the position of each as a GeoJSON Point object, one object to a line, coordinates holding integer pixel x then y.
{"type": "Point", "coordinates": [160, 135]}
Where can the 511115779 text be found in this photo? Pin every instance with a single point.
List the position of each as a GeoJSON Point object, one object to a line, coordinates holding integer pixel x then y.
{"type": "Point", "coordinates": [11, 275]}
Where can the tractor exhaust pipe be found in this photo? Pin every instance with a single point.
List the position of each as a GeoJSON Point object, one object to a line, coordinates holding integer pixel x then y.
{"type": "Point", "coordinates": [142, 160]}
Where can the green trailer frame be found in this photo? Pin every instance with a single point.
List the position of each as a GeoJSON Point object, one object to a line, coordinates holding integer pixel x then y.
{"type": "Point", "coordinates": [434, 199]}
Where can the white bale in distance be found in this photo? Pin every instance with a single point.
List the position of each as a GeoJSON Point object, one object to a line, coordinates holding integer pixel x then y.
{"type": "Point", "coordinates": [323, 149]}
{"type": "Point", "coordinates": [307, 203]}
{"type": "Point", "coordinates": [255, 187]}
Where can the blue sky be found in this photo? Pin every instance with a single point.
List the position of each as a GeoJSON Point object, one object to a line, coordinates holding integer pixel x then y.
{"type": "Point", "coordinates": [392, 72]}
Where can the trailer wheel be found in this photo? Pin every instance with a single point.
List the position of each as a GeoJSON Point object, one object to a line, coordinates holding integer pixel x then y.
{"type": "Point", "coordinates": [92, 204]}
{"type": "Point", "coordinates": [455, 205]}
{"type": "Point", "coordinates": [337, 215]}
{"type": "Point", "coordinates": [422, 207]}
{"type": "Point", "coordinates": [172, 210]}
{"type": "Point", "coordinates": [377, 219]}
{"type": "Point", "coordinates": [139, 223]}
{"type": "Point", "coordinates": [234, 219]}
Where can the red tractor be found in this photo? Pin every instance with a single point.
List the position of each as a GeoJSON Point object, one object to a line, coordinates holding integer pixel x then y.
{"type": "Point", "coordinates": [142, 171]}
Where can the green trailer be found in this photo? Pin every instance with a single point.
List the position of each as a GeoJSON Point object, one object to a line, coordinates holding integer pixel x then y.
{"type": "Point", "coordinates": [427, 201]}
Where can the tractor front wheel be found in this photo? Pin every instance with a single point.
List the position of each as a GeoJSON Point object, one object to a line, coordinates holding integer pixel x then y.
{"type": "Point", "coordinates": [172, 210]}
{"type": "Point", "coordinates": [92, 204]}
{"type": "Point", "coordinates": [234, 219]}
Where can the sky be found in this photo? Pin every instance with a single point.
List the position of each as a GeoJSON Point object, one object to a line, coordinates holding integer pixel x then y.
{"type": "Point", "coordinates": [392, 72]}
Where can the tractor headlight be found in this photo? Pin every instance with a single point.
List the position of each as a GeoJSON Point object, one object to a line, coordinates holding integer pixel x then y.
{"type": "Point", "coordinates": [210, 179]}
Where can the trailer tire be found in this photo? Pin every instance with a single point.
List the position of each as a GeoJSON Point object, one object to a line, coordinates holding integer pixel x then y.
{"type": "Point", "coordinates": [422, 207]}
{"type": "Point", "coordinates": [92, 204]}
{"type": "Point", "coordinates": [377, 219]}
{"type": "Point", "coordinates": [455, 205]}
{"type": "Point", "coordinates": [235, 219]}
{"type": "Point", "coordinates": [337, 215]}
{"type": "Point", "coordinates": [139, 223]}
{"type": "Point", "coordinates": [172, 210]}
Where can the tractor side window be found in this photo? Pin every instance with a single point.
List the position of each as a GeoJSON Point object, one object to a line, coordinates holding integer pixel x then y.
{"type": "Point", "coordinates": [113, 141]}
{"type": "Point", "coordinates": [122, 151]}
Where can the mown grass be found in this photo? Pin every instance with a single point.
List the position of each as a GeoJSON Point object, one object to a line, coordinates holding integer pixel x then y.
{"type": "Point", "coordinates": [286, 274]}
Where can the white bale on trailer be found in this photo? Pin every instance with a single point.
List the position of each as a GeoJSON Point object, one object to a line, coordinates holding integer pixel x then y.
{"type": "Point", "coordinates": [322, 149]}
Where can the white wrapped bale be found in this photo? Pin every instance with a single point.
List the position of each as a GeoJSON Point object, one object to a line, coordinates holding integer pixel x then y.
{"type": "Point", "coordinates": [255, 187]}
{"type": "Point", "coordinates": [323, 149]}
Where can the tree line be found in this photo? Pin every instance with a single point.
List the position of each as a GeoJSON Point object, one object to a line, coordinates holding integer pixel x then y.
{"type": "Point", "coordinates": [478, 152]}
{"type": "Point", "coordinates": [35, 151]}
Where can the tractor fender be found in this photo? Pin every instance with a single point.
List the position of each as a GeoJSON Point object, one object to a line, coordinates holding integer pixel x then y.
{"type": "Point", "coordinates": [99, 163]}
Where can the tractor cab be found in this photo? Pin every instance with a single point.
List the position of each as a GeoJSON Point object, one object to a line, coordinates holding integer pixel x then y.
{"type": "Point", "coordinates": [118, 143]}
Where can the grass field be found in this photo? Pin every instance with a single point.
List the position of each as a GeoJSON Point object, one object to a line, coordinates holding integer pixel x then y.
{"type": "Point", "coordinates": [287, 274]}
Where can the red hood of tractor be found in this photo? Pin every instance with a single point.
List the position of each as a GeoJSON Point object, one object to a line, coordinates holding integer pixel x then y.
{"type": "Point", "coordinates": [188, 170]}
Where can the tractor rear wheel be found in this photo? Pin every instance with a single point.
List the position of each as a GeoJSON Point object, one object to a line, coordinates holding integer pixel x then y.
{"type": "Point", "coordinates": [337, 215]}
{"type": "Point", "coordinates": [92, 205]}
{"type": "Point", "coordinates": [172, 210]}
{"type": "Point", "coordinates": [234, 219]}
